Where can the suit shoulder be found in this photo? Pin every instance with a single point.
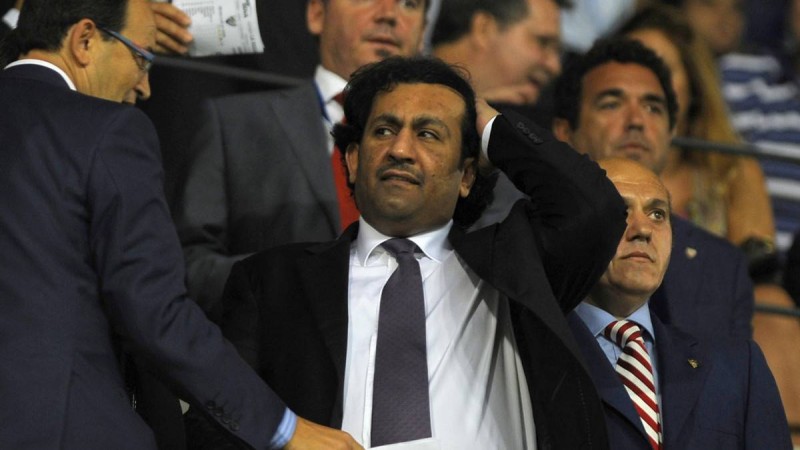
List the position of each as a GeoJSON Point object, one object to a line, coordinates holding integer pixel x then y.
{"type": "Point", "coordinates": [282, 255]}
{"type": "Point", "coordinates": [685, 233]}
{"type": "Point", "coordinates": [305, 91]}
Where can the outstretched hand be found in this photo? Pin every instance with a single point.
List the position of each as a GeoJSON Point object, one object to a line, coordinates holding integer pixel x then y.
{"type": "Point", "coordinates": [312, 436]}
{"type": "Point", "coordinates": [172, 24]}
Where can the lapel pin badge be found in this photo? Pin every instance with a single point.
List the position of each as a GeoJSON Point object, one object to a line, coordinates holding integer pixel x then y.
{"type": "Point", "coordinates": [694, 363]}
{"type": "Point", "coordinates": [691, 252]}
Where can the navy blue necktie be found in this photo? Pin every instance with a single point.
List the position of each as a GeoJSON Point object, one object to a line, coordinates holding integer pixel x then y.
{"type": "Point", "coordinates": [400, 398]}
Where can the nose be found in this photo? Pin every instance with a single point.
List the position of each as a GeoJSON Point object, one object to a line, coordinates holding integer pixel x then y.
{"type": "Point", "coordinates": [635, 116]}
{"type": "Point", "coordinates": [387, 11]}
{"type": "Point", "coordinates": [402, 148]}
{"type": "Point", "coordinates": [142, 88]}
{"type": "Point", "coordinates": [552, 62]}
{"type": "Point", "coordinates": [639, 226]}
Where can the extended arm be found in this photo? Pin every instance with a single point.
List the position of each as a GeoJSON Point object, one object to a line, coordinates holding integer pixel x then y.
{"type": "Point", "coordinates": [575, 213]}
{"type": "Point", "coordinates": [138, 259]}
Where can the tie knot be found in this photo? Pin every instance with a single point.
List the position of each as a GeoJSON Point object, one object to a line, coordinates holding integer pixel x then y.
{"type": "Point", "coordinates": [399, 247]}
{"type": "Point", "coordinates": [622, 332]}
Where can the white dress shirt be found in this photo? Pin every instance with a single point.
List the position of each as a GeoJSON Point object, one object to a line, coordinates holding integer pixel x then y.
{"type": "Point", "coordinates": [478, 392]}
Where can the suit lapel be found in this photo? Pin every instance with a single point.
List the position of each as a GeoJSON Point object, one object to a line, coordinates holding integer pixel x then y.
{"type": "Point", "coordinates": [682, 371]}
{"type": "Point", "coordinates": [605, 378]}
{"type": "Point", "coordinates": [308, 140]}
{"type": "Point", "coordinates": [327, 269]}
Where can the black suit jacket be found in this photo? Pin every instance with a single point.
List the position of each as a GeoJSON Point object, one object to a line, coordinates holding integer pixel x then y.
{"type": "Point", "coordinates": [286, 308]}
{"type": "Point", "coordinates": [726, 400]}
{"type": "Point", "coordinates": [87, 249]}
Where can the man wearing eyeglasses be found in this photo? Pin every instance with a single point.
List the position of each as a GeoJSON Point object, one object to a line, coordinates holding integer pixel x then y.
{"type": "Point", "coordinates": [89, 261]}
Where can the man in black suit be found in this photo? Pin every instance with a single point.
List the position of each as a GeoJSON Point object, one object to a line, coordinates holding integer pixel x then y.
{"type": "Point", "coordinates": [90, 261]}
{"type": "Point", "coordinates": [617, 100]}
{"type": "Point", "coordinates": [502, 368]}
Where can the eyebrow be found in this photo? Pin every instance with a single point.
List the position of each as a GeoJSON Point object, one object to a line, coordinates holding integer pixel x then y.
{"type": "Point", "coordinates": [658, 203]}
{"type": "Point", "coordinates": [619, 93]}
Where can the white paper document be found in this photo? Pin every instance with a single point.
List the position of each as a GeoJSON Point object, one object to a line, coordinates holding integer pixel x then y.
{"type": "Point", "coordinates": [222, 27]}
{"type": "Point", "coordinates": [422, 444]}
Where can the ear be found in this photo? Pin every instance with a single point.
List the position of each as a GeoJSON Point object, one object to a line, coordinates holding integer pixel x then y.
{"type": "Point", "coordinates": [562, 130]}
{"type": "Point", "coordinates": [315, 16]}
{"type": "Point", "coordinates": [351, 158]}
{"type": "Point", "coordinates": [82, 38]}
{"type": "Point", "coordinates": [468, 178]}
{"type": "Point", "coordinates": [482, 30]}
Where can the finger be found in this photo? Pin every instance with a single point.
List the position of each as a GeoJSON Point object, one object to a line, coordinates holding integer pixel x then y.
{"type": "Point", "coordinates": [175, 30]}
{"type": "Point", "coordinates": [166, 45]}
{"type": "Point", "coordinates": [172, 13]}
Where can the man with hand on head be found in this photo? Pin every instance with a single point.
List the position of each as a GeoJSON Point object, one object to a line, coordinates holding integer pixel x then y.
{"type": "Point", "coordinates": [409, 329]}
{"type": "Point", "coordinates": [660, 386]}
{"type": "Point", "coordinates": [90, 262]}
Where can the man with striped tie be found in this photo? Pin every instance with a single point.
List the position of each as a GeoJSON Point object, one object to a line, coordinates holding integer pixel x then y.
{"type": "Point", "coordinates": [661, 388]}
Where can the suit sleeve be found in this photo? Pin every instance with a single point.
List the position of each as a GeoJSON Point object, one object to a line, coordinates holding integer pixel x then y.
{"type": "Point", "coordinates": [201, 217]}
{"type": "Point", "coordinates": [140, 266]}
{"type": "Point", "coordinates": [575, 213]}
{"type": "Point", "coordinates": [765, 422]}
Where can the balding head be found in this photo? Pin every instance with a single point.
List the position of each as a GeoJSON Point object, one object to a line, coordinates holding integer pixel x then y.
{"type": "Point", "coordinates": [638, 267]}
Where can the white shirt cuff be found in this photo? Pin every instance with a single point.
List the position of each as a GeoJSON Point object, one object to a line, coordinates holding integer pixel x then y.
{"type": "Point", "coordinates": [11, 18]}
{"type": "Point", "coordinates": [487, 132]}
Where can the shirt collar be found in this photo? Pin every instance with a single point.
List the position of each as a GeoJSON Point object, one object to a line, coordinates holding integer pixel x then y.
{"type": "Point", "coordinates": [434, 244]}
{"type": "Point", "coordinates": [51, 66]}
{"type": "Point", "coordinates": [328, 83]}
{"type": "Point", "coordinates": [597, 319]}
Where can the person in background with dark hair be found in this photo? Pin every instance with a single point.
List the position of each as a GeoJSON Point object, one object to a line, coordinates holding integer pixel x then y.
{"type": "Point", "coordinates": [661, 387]}
{"type": "Point", "coordinates": [631, 112]}
{"type": "Point", "coordinates": [172, 23]}
{"type": "Point", "coordinates": [478, 347]}
{"type": "Point", "coordinates": [90, 261]}
{"type": "Point", "coordinates": [511, 48]}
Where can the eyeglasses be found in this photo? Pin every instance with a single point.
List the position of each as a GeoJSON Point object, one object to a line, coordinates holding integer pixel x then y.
{"type": "Point", "coordinates": [144, 59]}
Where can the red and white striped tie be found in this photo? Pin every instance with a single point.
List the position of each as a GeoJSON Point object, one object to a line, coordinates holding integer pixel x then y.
{"type": "Point", "coordinates": [636, 372]}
